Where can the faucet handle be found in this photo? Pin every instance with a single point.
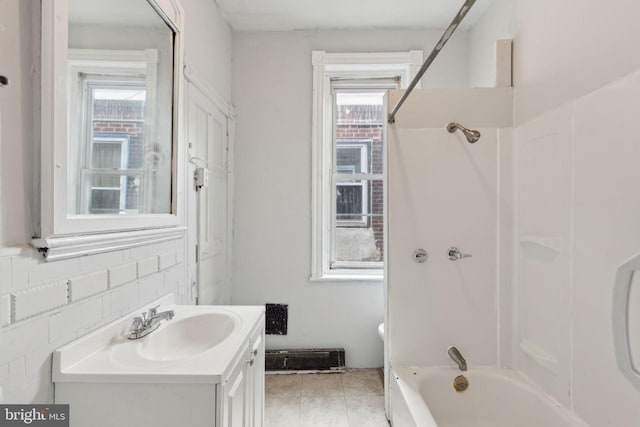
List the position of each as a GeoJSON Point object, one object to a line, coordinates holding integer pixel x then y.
{"type": "Point", "coordinates": [455, 254]}
{"type": "Point", "coordinates": [137, 323]}
{"type": "Point", "coordinates": [152, 311]}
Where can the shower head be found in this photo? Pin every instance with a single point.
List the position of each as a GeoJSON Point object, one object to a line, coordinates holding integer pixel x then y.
{"type": "Point", "coordinates": [471, 135]}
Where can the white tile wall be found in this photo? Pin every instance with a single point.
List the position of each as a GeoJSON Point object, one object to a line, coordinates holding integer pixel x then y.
{"type": "Point", "coordinates": [167, 260]}
{"type": "Point", "coordinates": [36, 300]}
{"type": "Point", "coordinates": [43, 271]}
{"type": "Point", "coordinates": [149, 287]}
{"type": "Point", "coordinates": [101, 288]}
{"type": "Point", "coordinates": [17, 374]}
{"type": "Point", "coordinates": [6, 276]}
{"type": "Point", "coordinates": [122, 274]}
{"type": "Point", "coordinates": [81, 287]}
{"type": "Point", "coordinates": [24, 338]}
{"type": "Point", "coordinates": [100, 261]}
{"type": "Point", "coordinates": [124, 299]}
{"type": "Point", "coordinates": [5, 310]}
{"type": "Point", "coordinates": [20, 269]}
{"type": "Point", "coordinates": [67, 324]}
{"type": "Point", "coordinates": [147, 266]}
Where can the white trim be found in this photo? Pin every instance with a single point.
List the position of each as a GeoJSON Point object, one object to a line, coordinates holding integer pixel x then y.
{"type": "Point", "coordinates": [374, 276]}
{"type": "Point", "coordinates": [57, 248]}
{"type": "Point", "coordinates": [197, 79]}
{"type": "Point", "coordinates": [54, 220]}
{"type": "Point", "coordinates": [325, 67]}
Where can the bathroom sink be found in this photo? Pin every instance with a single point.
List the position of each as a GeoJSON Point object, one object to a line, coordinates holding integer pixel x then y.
{"type": "Point", "coordinates": [188, 336]}
{"type": "Point", "coordinates": [196, 346]}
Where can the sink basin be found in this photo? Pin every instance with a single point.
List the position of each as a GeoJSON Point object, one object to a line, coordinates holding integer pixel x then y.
{"type": "Point", "coordinates": [196, 346]}
{"type": "Point", "coordinates": [187, 337]}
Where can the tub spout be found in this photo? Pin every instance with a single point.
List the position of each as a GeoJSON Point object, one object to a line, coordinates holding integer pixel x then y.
{"type": "Point", "coordinates": [455, 355]}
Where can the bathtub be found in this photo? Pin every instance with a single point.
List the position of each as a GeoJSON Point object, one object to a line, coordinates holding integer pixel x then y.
{"type": "Point", "coordinates": [425, 397]}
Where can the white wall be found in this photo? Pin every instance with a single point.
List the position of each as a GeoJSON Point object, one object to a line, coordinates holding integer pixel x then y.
{"type": "Point", "coordinates": [562, 50]}
{"type": "Point", "coordinates": [577, 83]}
{"type": "Point", "coordinates": [18, 134]}
{"type": "Point", "coordinates": [494, 25]}
{"type": "Point", "coordinates": [208, 44]}
{"type": "Point", "coordinates": [111, 284]}
{"type": "Point", "coordinates": [272, 90]}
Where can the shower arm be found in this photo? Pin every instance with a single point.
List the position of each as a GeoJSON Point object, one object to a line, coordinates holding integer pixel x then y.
{"type": "Point", "coordinates": [432, 56]}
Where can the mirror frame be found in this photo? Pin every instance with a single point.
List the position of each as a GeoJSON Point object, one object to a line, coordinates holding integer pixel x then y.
{"type": "Point", "coordinates": [61, 235]}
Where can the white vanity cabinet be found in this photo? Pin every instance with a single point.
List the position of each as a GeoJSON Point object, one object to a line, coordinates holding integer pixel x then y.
{"type": "Point", "coordinates": [109, 380]}
{"type": "Point", "coordinates": [242, 393]}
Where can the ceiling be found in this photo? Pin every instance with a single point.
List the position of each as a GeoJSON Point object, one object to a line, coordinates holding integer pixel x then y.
{"type": "Point", "coordinates": [287, 15]}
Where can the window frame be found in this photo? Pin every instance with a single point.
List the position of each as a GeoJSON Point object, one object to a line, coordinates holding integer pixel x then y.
{"type": "Point", "coordinates": [328, 66]}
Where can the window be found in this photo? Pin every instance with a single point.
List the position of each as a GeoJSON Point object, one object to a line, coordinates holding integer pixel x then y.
{"type": "Point", "coordinates": [112, 93]}
{"type": "Point", "coordinates": [105, 185]}
{"type": "Point", "coordinates": [352, 206]}
{"type": "Point", "coordinates": [113, 125]}
{"type": "Point", "coordinates": [348, 160]}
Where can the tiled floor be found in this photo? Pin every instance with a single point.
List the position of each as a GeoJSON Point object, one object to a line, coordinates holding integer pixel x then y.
{"type": "Point", "coordinates": [352, 399]}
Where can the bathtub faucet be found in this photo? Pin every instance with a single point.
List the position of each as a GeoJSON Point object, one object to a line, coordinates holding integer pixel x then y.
{"type": "Point", "coordinates": [455, 355]}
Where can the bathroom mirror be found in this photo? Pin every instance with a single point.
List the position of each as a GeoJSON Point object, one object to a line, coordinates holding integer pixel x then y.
{"type": "Point", "coordinates": [111, 80]}
{"type": "Point", "coordinates": [119, 100]}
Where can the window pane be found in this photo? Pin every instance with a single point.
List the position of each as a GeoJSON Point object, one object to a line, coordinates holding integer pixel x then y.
{"type": "Point", "coordinates": [107, 155]}
{"type": "Point", "coordinates": [352, 158]}
{"type": "Point", "coordinates": [114, 194]}
{"type": "Point", "coordinates": [359, 230]}
{"type": "Point", "coordinates": [105, 201]}
{"type": "Point", "coordinates": [360, 118]}
{"type": "Point", "coordinates": [349, 199]}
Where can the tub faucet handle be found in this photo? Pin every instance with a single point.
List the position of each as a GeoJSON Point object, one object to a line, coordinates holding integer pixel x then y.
{"type": "Point", "coordinates": [455, 254]}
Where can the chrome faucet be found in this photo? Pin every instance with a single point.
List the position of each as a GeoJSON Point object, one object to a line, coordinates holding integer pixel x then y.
{"type": "Point", "coordinates": [455, 254]}
{"type": "Point", "coordinates": [455, 355]}
{"type": "Point", "coordinates": [148, 322]}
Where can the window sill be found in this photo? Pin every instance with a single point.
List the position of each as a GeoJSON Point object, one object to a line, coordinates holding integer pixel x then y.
{"type": "Point", "coordinates": [349, 277]}
{"type": "Point", "coordinates": [58, 248]}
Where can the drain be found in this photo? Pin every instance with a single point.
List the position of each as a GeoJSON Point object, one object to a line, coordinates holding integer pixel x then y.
{"type": "Point", "coordinates": [460, 383]}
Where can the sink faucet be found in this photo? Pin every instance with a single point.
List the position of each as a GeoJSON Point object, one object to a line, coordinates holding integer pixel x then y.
{"type": "Point", "coordinates": [455, 355]}
{"type": "Point", "coordinates": [148, 322]}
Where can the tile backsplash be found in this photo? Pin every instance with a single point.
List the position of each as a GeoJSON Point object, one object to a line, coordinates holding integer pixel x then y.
{"type": "Point", "coordinates": [44, 305]}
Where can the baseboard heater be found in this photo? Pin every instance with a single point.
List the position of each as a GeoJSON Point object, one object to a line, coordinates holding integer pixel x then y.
{"type": "Point", "coordinates": [315, 359]}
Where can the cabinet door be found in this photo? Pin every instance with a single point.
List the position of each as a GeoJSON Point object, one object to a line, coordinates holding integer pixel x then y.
{"type": "Point", "coordinates": [255, 383]}
{"type": "Point", "coordinates": [235, 397]}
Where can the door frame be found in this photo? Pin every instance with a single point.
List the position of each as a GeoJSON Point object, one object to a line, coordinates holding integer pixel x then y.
{"type": "Point", "coordinates": [195, 81]}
